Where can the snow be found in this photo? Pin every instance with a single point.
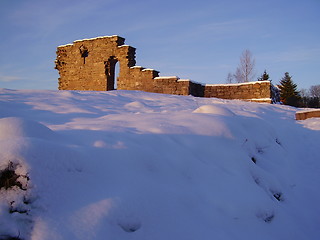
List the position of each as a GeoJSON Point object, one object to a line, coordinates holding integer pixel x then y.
{"type": "Point", "coordinates": [311, 123]}
{"type": "Point", "coordinates": [124, 45]}
{"type": "Point", "coordinates": [306, 110]}
{"type": "Point", "coordinates": [13, 127]}
{"type": "Point", "coordinates": [238, 84]}
{"type": "Point", "coordinates": [136, 67]}
{"type": "Point", "coordinates": [167, 77]}
{"type": "Point", "coordinates": [260, 99]}
{"type": "Point", "coordinates": [65, 45]}
{"type": "Point", "coordinates": [136, 165]}
{"type": "Point", "coordinates": [214, 109]}
{"type": "Point", "coordinates": [89, 39]}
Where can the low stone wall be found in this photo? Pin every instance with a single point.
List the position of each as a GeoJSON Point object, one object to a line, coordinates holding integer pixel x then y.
{"type": "Point", "coordinates": [171, 85]}
{"type": "Point", "coordinates": [90, 64]}
{"type": "Point", "coordinates": [307, 114]}
{"type": "Point", "coordinates": [252, 91]}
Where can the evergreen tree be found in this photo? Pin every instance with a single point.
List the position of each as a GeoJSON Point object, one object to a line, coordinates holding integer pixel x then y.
{"type": "Point", "coordinates": [264, 76]}
{"type": "Point", "coordinates": [288, 91]}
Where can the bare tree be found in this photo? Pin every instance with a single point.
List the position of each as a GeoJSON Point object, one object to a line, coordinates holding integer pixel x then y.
{"type": "Point", "coordinates": [245, 70]}
{"type": "Point", "coordinates": [230, 78]}
{"type": "Point", "coordinates": [304, 93]}
{"type": "Point", "coordinates": [238, 76]}
{"type": "Point", "coordinates": [315, 91]}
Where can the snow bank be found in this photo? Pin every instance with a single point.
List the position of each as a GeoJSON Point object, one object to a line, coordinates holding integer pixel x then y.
{"type": "Point", "coordinates": [134, 165]}
{"type": "Point", "coordinates": [13, 127]}
{"type": "Point", "coordinates": [214, 109]}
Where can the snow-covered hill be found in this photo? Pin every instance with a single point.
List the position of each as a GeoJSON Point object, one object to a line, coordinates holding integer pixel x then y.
{"type": "Point", "coordinates": [131, 165]}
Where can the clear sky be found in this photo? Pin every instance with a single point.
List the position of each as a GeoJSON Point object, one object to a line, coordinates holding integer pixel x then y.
{"type": "Point", "coordinates": [201, 40]}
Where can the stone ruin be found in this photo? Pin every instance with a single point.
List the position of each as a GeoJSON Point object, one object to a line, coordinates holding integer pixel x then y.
{"type": "Point", "coordinates": [90, 64]}
{"type": "Point", "coordinates": [305, 114]}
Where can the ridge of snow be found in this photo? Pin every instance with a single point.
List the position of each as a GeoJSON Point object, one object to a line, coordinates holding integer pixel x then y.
{"type": "Point", "coordinates": [184, 80]}
{"type": "Point", "coordinates": [308, 110]}
{"type": "Point", "coordinates": [167, 77]}
{"type": "Point", "coordinates": [237, 84]}
{"type": "Point", "coordinates": [100, 37]}
{"type": "Point", "coordinates": [88, 39]}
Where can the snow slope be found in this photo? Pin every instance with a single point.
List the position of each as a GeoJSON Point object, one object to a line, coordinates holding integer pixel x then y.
{"type": "Point", "coordinates": [134, 165]}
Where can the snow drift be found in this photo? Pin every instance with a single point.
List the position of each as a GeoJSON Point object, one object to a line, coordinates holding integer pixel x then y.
{"type": "Point", "coordinates": [134, 165]}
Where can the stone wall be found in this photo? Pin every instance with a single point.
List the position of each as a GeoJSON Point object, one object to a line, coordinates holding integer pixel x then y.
{"type": "Point", "coordinates": [308, 114]}
{"type": "Point", "coordinates": [90, 64]}
{"type": "Point", "coordinates": [259, 91]}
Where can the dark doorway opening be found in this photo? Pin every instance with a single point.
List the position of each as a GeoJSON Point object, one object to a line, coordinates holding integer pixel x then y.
{"type": "Point", "coordinates": [111, 71]}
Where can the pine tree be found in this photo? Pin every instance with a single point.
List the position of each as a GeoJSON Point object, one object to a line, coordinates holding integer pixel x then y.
{"type": "Point", "coordinates": [264, 76]}
{"type": "Point", "coordinates": [288, 91]}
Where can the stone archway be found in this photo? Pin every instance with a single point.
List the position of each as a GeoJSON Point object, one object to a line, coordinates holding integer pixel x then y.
{"type": "Point", "coordinates": [110, 70]}
{"type": "Point", "coordinates": [92, 64]}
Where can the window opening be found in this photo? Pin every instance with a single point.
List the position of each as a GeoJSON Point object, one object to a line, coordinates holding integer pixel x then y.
{"type": "Point", "coordinates": [84, 52]}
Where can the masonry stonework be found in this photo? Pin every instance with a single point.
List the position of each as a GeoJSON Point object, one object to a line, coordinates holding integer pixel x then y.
{"type": "Point", "coordinates": [90, 64]}
{"type": "Point", "coordinates": [254, 91]}
{"type": "Point", "coordinates": [303, 115]}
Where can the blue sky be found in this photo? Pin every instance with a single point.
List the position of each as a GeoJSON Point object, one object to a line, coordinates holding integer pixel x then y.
{"type": "Point", "coordinates": [199, 40]}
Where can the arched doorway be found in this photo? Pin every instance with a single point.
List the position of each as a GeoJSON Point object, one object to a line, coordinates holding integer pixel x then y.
{"type": "Point", "coordinates": [112, 70]}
